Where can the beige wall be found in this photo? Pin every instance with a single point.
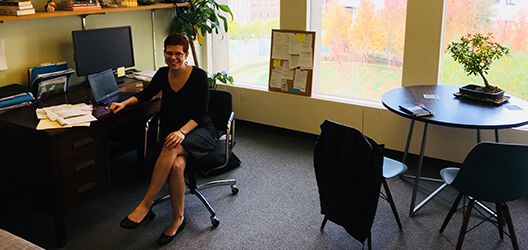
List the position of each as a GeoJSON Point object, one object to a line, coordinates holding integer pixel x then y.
{"type": "Point", "coordinates": [35, 41]}
{"type": "Point", "coordinates": [31, 42]}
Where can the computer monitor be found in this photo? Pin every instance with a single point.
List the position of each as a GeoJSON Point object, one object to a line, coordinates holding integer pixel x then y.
{"type": "Point", "coordinates": [96, 50]}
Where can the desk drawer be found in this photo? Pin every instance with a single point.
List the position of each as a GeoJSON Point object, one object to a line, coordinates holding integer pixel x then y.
{"type": "Point", "coordinates": [82, 191]}
{"type": "Point", "coordinates": [82, 167]}
{"type": "Point", "coordinates": [86, 140]}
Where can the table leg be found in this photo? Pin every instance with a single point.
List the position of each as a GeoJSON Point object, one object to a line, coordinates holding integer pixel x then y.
{"type": "Point", "coordinates": [418, 170]}
{"type": "Point", "coordinates": [408, 143]}
{"type": "Point", "coordinates": [496, 135]}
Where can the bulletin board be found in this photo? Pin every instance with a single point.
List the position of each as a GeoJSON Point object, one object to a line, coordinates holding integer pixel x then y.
{"type": "Point", "coordinates": [291, 61]}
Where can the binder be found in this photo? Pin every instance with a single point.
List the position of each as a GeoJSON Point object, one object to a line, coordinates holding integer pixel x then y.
{"type": "Point", "coordinates": [51, 82]}
{"type": "Point", "coordinates": [43, 69]}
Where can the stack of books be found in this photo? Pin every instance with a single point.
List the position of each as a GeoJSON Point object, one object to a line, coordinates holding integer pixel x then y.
{"type": "Point", "coordinates": [14, 96]}
{"type": "Point", "coordinates": [79, 5]}
{"type": "Point", "coordinates": [16, 7]}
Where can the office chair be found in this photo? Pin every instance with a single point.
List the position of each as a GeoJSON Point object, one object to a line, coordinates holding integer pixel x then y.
{"type": "Point", "coordinates": [491, 172]}
{"type": "Point", "coordinates": [220, 110]}
{"type": "Point", "coordinates": [350, 169]}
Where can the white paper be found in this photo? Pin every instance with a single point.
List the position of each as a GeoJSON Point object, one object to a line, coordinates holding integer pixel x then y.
{"type": "Point", "coordinates": [305, 60]}
{"type": "Point", "coordinates": [299, 81]}
{"type": "Point", "coordinates": [281, 43]}
{"type": "Point", "coordinates": [294, 61]}
{"type": "Point", "coordinates": [285, 71]}
{"type": "Point", "coordinates": [3, 62]}
{"type": "Point", "coordinates": [66, 111]}
{"type": "Point", "coordinates": [295, 45]}
{"type": "Point", "coordinates": [306, 45]}
{"type": "Point", "coordinates": [47, 124]}
{"type": "Point", "coordinates": [275, 79]}
{"type": "Point", "coordinates": [76, 119]}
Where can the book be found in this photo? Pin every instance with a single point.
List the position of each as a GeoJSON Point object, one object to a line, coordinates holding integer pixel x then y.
{"type": "Point", "coordinates": [17, 12]}
{"type": "Point", "coordinates": [14, 1]}
{"type": "Point", "coordinates": [11, 90]}
{"type": "Point", "coordinates": [20, 4]}
{"type": "Point", "coordinates": [15, 7]}
{"type": "Point", "coordinates": [418, 110]}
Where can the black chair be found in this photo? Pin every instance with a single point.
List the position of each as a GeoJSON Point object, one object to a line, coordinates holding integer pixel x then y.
{"type": "Point", "coordinates": [491, 172]}
{"type": "Point", "coordinates": [349, 171]}
{"type": "Point", "coordinates": [220, 110]}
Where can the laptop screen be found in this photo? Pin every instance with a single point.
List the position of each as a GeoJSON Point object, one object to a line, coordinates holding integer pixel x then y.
{"type": "Point", "coordinates": [103, 85]}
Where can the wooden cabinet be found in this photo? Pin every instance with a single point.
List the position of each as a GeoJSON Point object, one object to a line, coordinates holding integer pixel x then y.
{"type": "Point", "coordinates": [82, 166]}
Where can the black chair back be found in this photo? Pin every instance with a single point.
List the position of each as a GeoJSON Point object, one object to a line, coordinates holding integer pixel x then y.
{"type": "Point", "coordinates": [220, 108]}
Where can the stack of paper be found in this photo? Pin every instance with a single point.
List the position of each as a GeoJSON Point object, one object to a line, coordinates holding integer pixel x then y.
{"type": "Point", "coordinates": [65, 115]}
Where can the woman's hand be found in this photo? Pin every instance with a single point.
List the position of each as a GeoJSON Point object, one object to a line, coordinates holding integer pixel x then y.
{"type": "Point", "coordinates": [174, 138]}
{"type": "Point", "coordinates": [116, 106]}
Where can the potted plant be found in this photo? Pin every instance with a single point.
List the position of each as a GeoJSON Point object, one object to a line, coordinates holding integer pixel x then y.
{"type": "Point", "coordinates": [199, 19]}
{"type": "Point", "coordinates": [219, 76]}
{"type": "Point", "coordinates": [476, 52]}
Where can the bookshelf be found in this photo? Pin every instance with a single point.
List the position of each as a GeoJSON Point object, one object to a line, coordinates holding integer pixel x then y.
{"type": "Point", "coordinates": [81, 13]}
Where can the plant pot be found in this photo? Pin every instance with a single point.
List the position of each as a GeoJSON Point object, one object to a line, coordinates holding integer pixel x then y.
{"type": "Point", "coordinates": [472, 91]}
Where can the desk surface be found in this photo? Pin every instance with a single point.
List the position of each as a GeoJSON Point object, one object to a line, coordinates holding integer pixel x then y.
{"type": "Point", "coordinates": [26, 117]}
{"type": "Point", "coordinates": [455, 112]}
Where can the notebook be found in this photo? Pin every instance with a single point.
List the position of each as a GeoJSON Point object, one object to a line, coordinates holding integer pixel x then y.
{"type": "Point", "coordinates": [104, 88]}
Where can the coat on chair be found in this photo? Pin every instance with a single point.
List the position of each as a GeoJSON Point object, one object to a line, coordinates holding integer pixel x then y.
{"type": "Point", "coordinates": [348, 169]}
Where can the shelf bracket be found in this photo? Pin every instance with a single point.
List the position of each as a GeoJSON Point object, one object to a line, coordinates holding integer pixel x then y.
{"type": "Point", "coordinates": [83, 18]}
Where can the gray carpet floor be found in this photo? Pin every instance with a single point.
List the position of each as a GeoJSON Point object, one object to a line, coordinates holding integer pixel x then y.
{"type": "Point", "coordinates": [277, 208]}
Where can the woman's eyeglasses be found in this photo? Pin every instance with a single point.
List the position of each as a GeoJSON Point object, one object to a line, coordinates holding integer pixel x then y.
{"type": "Point", "coordinates": [175, 54]}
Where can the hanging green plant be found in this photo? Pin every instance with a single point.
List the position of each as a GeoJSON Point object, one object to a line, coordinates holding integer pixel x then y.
{"type": "Point", "coordinates": [199, 19]}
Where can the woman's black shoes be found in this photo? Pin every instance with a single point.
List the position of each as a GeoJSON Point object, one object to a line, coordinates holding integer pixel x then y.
{"type": "Point", "coordinates": [164, 239]}
{"type": "Point", "coordinates": [129, 224]}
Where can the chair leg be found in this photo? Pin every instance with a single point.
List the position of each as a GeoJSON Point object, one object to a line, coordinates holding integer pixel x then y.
{"type": "Point", "coordinates": [391, 202]}
{"type": "Point", "coordinates": [369, 241]}
{"type": "Point", "coordinates": [465, 223]}
{"type": "Point", "coordinates": [324, 223]}
{"type": "Point", "coordinates": [500, 222]}
{"type": "Point", "coordinates": [451, 212]}
{"type": "Point", "coordinates": [506, 212]}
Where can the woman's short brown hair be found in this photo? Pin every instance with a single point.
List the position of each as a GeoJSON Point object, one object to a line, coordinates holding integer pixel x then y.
{"type": "Point", "coordinates": [177, 39]}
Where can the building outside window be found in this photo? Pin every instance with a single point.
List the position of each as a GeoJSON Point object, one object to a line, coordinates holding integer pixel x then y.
{"type": "Point", "coordinates": [509, 25]}
{"type": "Point", "coordinates": [360, 47]}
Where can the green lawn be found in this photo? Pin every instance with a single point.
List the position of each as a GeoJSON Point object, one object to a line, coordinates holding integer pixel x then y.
{"type": "Point", "coordinates": [370, 81]}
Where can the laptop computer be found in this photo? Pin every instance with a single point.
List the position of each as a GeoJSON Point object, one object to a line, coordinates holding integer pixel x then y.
{"type": "Point", "coordinates": [104, 88]}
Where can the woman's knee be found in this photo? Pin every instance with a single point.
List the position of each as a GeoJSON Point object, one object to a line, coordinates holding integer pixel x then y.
{"type": "Point", "coordinates": [178, 166]}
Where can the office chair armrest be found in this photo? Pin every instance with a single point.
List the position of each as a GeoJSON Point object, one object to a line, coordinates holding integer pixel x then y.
{"type": "Point", "coordinates": [230, 136]}
{"type": "Point", "coordinates": [152, 118]}
{"type": "Point", "coordinates": [230, 130]}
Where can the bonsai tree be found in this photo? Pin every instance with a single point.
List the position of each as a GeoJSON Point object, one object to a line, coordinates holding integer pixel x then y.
{"type": "Point", "coordinates": [219, 76]}
{"type": "Point", "coordinates": [199, 19]}
{"type": "Point", "coordinates": [476, 52]}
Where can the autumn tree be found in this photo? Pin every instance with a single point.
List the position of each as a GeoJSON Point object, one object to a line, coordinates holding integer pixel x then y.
{"type": "Point", "coordinates": [336, 25]}
{"type": "Point", "coordinates": [367, 35]}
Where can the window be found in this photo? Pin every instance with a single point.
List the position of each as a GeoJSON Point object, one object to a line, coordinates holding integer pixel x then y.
{"type": "Point", "coordinates": [509, 25]}
{"type": "Point", "coordinates": [249, 41]}
{"type": "Point", "coordinates": [360, 46]}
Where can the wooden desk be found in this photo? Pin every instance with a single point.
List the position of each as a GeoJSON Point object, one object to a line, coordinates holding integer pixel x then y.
{"type": "Point", "coordinates": [60, 168]}
{"type": "Point", "coordinates": [452, 112]}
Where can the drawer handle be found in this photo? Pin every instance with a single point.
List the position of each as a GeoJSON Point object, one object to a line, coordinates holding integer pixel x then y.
{"type": "Point", "coordinates": [82, 142]}
{"type": "Point", "coordinates": [84, 165]}
{"type": "Point", "coordinates": [86, 187]}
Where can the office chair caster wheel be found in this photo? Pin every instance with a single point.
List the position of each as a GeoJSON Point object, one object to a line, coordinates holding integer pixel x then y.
{"type": "Point", "coordinates": [214, 221]}
{"type": "Point", "coordinates": [234, 189]}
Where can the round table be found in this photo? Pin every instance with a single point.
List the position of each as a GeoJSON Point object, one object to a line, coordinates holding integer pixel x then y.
{"type": "Point", "coordinates": [451, 111]}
